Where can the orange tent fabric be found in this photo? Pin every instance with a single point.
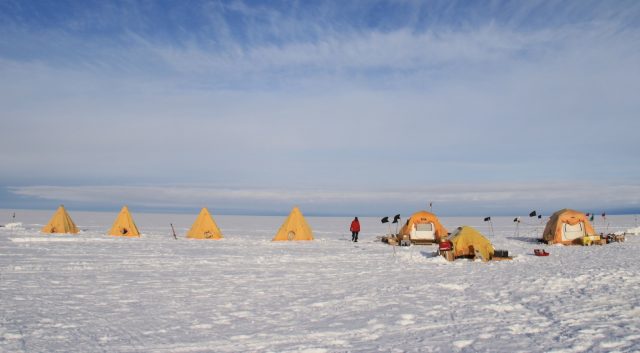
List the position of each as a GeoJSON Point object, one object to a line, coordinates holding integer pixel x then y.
{"type": "Point", "coordinates": [124, 225]}
{"type": "Point", "coordinates": [204, 227]}
{"type": "Point", "coordinates": [554, 230]}
{"type": "Point", "coordinates": [424, 217]}
{"type": "Point", "coordinates": [61, 222]}
{"type": "Point", "coordinates": [295, 227]}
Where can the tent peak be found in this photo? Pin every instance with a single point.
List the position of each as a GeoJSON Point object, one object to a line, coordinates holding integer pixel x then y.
{"type": "Point", "coordinates": [295, 227]}
{"type": "Point", "coordinates": [204, 227]}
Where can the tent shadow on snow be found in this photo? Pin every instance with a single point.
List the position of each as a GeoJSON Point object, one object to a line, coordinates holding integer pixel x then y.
{"type": "Point", "coordinates": [429, 254]}
{"type": "Point", "coordinates": [530, 240]}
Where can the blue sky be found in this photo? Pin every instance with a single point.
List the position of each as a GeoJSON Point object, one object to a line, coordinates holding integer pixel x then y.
{"type": "Point", "coordinates": [342, 108]}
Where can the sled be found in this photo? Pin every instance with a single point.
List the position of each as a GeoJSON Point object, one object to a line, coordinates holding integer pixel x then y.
{"type": "Point", "coordinates": [445, 249]}
{"type": "Point", "coordinates": [540, 252]}
{"type": "Point", "coordinates": [389, 239]}
{"type": "Point", "coordinates": [611, 238]}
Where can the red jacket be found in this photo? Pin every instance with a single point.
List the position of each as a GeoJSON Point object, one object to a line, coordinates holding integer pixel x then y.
{"type": "Point", "coordinates": [355, 226]}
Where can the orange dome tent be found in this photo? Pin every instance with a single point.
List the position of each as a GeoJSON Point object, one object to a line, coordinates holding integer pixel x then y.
{"type": "Point", "coordinates": [204, 227]}
{"type": "Point", "coordinates": [61, 222]}
{"type": "Point", "coordinates": [124, 225]}
{"type": "Point", "coordinates": [423, 226]}
{"type": "Point", "coordinates": [567, 227]}
{"type": "Point", "coordinates": [295, 227]}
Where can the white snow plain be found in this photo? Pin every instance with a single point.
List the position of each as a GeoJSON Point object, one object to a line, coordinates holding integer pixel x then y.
{"type": "Point", "coordinates": [633, 231]}
{"type": "Point", "coordinates": [96, 293]}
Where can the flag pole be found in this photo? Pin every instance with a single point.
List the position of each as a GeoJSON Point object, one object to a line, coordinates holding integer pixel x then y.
{"type": "Point", "coordinates": [396, 220]}
{"type": "Point", "coordinates": [533, 214]}
{"type": "Point", "coordinates": [13, 226]}
{"type": "Point", "coordinates": [174, 232]}
{"type": "Point", "coordinates": [491, 224]}
{"type": "Point", "coordinates": [393, 243]}
{"type": "Point", "coordinates": [488, 219]}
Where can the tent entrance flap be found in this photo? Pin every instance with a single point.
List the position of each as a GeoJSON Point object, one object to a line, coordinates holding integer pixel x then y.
{"type": "Point", "coordinates": [423, 231]}
{"type": "Point", "coordinates": [572, 232]}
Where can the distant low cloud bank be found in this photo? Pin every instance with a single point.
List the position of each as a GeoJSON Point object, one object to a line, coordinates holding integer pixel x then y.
{"type": "Point", "coordinates": [458, 199]}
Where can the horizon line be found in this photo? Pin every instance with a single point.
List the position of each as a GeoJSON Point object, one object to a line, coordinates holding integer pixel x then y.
{"type": "Point", "coordinates": [266, 213]}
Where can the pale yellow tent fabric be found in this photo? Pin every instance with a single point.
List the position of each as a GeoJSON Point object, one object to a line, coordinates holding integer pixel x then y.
{"type": "Point", "coordinates": [204, 227]}
{"type": "Point", "coordinates": [124, 225]}
{"type": "Point", "coordinates": [467, 240]}
{"type": "Point", "coordinates": [60, 223]}
{"type": "Point", "coordinates": [295, 227]}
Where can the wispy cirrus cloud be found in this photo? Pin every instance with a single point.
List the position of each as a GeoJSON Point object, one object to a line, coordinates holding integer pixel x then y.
{"type": "Point", "coordinates": [313, 97]}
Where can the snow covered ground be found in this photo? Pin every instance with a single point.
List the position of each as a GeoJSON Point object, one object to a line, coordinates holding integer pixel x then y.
{"type": "Point", "coordinates": [96, 293]}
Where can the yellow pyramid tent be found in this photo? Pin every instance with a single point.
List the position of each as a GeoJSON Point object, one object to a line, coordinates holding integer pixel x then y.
{"type": "Point", "coordinates": [124, 225]}
{"type": "Point", "coordinates": [295, 227]}
{"type": "Point", "coordinates": [204, 227]}
{"type": "Point", "coordinates": [467, 241]}
{"type": "Point", "coordinates": [60, 223]}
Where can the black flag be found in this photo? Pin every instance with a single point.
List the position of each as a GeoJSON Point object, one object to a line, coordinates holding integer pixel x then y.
{"type": "Point", "coordinates": [532, 214]}
{"type": "Point", "coordinates": [396, 218]}
{"type": "Point", "coordinates": [385, 220]}
{"type": "Point", "coordinates": [487, 219]}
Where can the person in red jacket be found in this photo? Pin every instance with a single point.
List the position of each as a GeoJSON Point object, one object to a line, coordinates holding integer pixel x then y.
{"type": "Point", "coordinates": [355, 229]}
